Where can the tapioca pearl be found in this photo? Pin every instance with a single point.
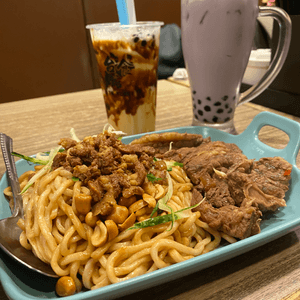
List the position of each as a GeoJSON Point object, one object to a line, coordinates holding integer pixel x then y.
{"type": "Point", "coordinates": [194, 92]}
{"type": "Point", "coordinates": [230, 111]}
{"type": "Point", "coordinates": [227, 119]}
{"type": "Point", "coordinates": [136, 39]}
{"type": "Point", "coordinates": [220, 110]}
{"type": "Point", "coordinates": [200, 112]}
{"type": "Point", "coordinates": [233, 98]}
{"type": "Point", "coordinates": [196, 116]}
{"type": "Point", "coordinates": [143, 43]}
{"type": "Point", "coordinates": [215, 119]}
{"type": "Point", "coordinates": [224, 98]}
{"type": "Point", "coordinates": [217, 104]}
{"type": "Point", "coordinates": [194, 106]}
{"type": "Point", "coordinates": [207, 108]}
{"type": "Point", "coordinates": [199, 102]}
{"type": "Point", "coordinates": [205, 120]}
{"type": "Point", "coordinates": [150, 37]}
{"type": "Point", "coordinates": [208, 98]}
{"type": "Point", "coordinates": [226, 105]}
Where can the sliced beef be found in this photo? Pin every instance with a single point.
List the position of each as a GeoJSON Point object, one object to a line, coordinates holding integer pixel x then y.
{"type": "Point", "coordinates": [176, 155]}
{"type": "Point", "coordinates": [265, 186]}
{"type": "Point", "coordinates": [136, 149]}
{"type": "Point", "coordinates": [255, 197]}
{"type": "Point", "coordinates": [272, 175]}
{"type": "Point", "coordinates": [240, 222]}
{"type": "Point", "coordinates": [237, 189]}
{"type": "Point", "coordinates": [236, 184]}
{"type": "Point", "coordinates": [200, 162]}
{"type": "Point", "coordinates": [219, 195]}
{"type": "Point", "coordinates": [162, 142]}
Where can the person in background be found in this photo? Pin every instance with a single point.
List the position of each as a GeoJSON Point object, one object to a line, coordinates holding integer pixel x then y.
{"type": "Point", "coordinates": [170, 51]}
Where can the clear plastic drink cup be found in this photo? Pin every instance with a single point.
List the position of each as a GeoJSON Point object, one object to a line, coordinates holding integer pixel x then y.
{"type": "Point", "coordinates": [127, 57]}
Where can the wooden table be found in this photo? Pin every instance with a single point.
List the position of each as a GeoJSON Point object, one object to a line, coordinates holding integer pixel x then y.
{"type": "Point", "coordinates": [269, 272]}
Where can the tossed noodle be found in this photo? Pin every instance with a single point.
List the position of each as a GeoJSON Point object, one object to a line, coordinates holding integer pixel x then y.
{"type": "Point", "coordinates": [101, 251]}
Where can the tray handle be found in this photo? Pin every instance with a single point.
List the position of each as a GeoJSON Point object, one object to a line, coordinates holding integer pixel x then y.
{"type": "Point", "coordinates": [290, 127]}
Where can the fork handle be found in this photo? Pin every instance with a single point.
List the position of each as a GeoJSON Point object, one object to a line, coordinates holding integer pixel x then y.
{"type": "Point", "coordinates": [12, 176]}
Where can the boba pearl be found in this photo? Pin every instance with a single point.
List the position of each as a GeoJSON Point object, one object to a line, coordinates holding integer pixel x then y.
{"type": "Point", "coordinates": [225, 98]}
{"type": "Point", "coordinates": [212, 110]}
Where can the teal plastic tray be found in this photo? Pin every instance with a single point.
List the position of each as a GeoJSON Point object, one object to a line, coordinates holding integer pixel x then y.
{"type": "Point", "coordinates": [21, 283]}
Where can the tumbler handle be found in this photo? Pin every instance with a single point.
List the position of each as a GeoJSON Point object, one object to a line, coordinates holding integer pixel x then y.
{"type": "Point", "coordinates": [285, 34]}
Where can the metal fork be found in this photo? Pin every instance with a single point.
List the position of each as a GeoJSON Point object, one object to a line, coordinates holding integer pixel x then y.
{"type": "Point", "coordinates": [9, 230]}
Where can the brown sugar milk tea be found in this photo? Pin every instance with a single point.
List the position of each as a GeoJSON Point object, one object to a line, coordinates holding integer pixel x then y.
{"type": "Point", "coordinates": [127, 57]}
{"type": "Point", "coordinates": [217, 37]}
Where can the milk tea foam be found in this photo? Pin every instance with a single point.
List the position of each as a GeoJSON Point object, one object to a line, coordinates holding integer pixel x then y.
{"type": "Point", "coordinates": [127, 60]}
{"type": "Point", "coordinates": [217, 38]}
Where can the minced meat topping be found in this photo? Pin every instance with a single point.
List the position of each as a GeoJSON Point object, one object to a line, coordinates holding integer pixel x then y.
{"type": "Point", "coordinates": [109, 168]}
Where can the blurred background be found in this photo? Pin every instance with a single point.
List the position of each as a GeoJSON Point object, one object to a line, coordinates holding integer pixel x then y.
{"type": "Point", "coordinates": [46, 50]}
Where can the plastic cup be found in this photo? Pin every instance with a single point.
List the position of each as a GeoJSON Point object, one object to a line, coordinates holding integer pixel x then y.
{"type": "Point", "coordinates": [127, 57]}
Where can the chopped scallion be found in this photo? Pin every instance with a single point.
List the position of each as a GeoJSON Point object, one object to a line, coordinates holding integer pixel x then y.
{"type": "Point", "coordinates": [152, 178]}
{"type": "Point", "coordinates": [73, 135]}
{"type": "Point", "coordinates": [163, 219]}
{"type": "Point", "coordinates": [42, 171]}
{"type": "Point", "coordinates": [31, 159]}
